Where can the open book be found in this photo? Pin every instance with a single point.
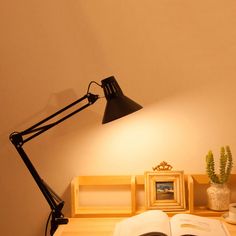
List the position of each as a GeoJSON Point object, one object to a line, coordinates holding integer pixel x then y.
{"type": "Point", "coordinates": [157, 223]}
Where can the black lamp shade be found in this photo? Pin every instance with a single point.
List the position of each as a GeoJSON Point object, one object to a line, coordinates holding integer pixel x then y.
{"type": "Point", "coordinates": [118, 104]}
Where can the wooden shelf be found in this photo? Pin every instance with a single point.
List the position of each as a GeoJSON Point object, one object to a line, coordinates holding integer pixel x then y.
{"type": "Point", "coordinates": [133, 184]}
{"type": "Point", "coordinates": [105, 182]}
{"type": "Point", "coordinates": [199, 180]}
{"type": "Point", "coordinates": [203, 211]}
{"type": "Point", "coordinates": [103, 211]}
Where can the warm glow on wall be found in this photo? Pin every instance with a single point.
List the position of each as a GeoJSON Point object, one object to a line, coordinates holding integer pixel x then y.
{"type": "Point", "coordinates": [176, 58]}
{"type": "Point", "coordinates": [171, 130]}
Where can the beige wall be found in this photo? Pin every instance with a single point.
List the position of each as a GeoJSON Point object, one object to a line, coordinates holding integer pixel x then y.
{"type": "Point", "coordinates": [176, 58]}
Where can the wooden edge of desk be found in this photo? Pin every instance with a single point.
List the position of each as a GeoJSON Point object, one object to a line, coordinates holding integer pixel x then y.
{"type": "Point", "coordinates": [106, 226]}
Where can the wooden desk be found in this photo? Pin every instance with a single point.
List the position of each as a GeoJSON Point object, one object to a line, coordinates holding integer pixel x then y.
{"type": "Point", "coordinates": [101, 227]}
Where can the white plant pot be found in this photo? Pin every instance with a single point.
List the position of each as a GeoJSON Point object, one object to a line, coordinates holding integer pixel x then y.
{"type": "Point", "coordinates": [218, 197]}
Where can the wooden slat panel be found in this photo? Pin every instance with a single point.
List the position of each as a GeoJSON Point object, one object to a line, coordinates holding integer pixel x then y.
{"type": "Point", "coordinates": [104, 180]}
{"type": "Point", "coordinates": [133, 194]}
{"type": "Point", "coordinates": [190, 194]}
{"type": "Point", "coordinates": [140, 179]}
{"type": "Point", "coordinates": [74, 193]}
{"type": "Point", "coordinates": [201, 179]}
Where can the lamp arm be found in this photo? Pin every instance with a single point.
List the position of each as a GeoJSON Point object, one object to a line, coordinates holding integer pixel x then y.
{"type": "Point", "coordinates": [39, 127]}
{"type": "Point", "coordinates": [17, 139]}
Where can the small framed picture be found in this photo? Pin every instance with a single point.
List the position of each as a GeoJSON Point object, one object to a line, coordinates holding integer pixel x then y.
{"type": "Point", "coordinates": [165, 190]}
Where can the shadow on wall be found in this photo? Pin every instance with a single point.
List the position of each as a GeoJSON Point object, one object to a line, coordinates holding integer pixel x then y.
{"type": "Point", "coordinates": [55, 102]}
{"type": "Point", "coordinates": [66, 196]}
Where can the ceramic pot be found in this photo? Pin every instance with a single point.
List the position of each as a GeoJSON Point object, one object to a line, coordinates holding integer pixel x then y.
{"type": "Point", "coordinates": [218, 197]}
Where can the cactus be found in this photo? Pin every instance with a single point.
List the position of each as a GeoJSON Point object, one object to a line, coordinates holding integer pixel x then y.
{"type": "Point", "coordinates": [226, 164]}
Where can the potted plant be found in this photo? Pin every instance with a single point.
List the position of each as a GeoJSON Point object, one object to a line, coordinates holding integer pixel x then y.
{"type": "Point", "coordinates": [218, 193]}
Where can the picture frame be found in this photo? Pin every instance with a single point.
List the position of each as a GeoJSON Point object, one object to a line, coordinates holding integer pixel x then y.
{"type": "Point", "coordinates": [165, 190]}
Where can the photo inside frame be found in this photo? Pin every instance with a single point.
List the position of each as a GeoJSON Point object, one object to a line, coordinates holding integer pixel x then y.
{"type": "Point", "coordinates": [164, 190]}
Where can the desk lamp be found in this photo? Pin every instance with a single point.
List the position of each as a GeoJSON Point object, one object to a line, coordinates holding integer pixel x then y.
{"type": "Point", "coordinates": [118, 105]}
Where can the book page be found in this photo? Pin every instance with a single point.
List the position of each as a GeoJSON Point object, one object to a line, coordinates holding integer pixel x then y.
{"type": "Point", "coordinates": [185, 224]}
{"type": "Point", "coordinates": [149, 221]}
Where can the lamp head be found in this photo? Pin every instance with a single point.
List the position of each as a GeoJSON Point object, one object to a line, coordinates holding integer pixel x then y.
{"type": "Point", "coordinates": [118, 105]}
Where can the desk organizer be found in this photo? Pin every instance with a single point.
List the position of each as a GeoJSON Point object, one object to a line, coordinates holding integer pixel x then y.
{"type": "Point", "coordinates": [133, 185]}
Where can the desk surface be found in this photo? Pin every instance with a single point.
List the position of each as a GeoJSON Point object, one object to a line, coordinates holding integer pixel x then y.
{"type": "Point", "coordinates": [101, 227]}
